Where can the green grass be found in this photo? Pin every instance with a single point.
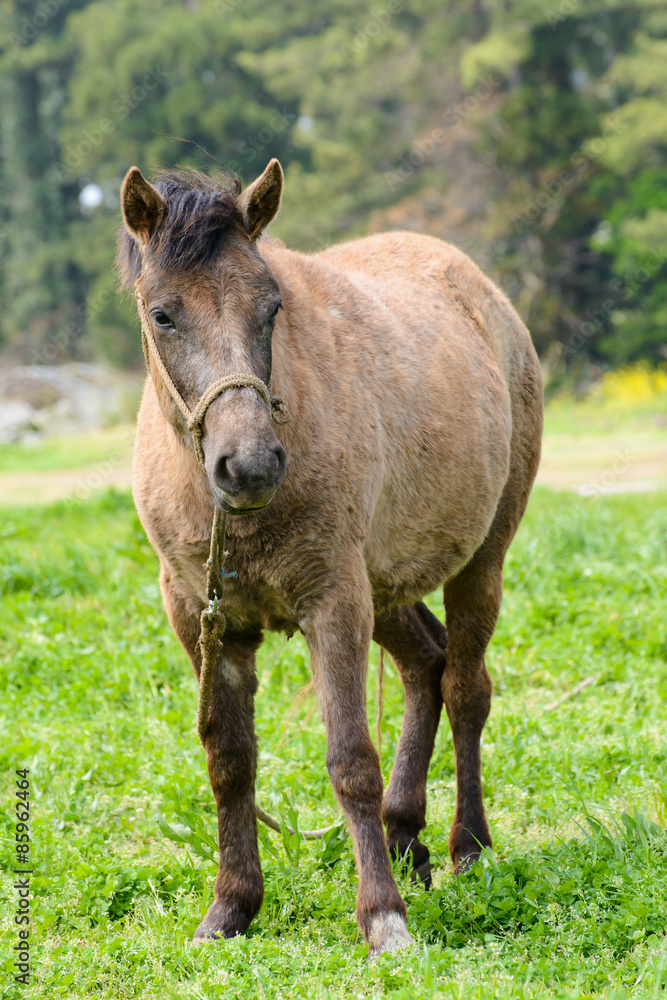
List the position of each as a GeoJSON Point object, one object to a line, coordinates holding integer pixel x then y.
{"type": "Point", "coordinates": [99, 703]}
{"type": "Point", "coordinates": [67, 451]}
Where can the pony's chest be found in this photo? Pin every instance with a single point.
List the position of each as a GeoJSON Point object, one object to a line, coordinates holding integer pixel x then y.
{"type": "Point", "coordinates": [249, 600]}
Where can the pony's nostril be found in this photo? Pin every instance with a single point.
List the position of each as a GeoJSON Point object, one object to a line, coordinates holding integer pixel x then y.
{"type": "Point", "coordinates": [223, 475]}
{"type": "Point", "coordinates": [281, 458]}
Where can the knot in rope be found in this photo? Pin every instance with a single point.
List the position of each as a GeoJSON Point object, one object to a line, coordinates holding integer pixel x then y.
{"type": "Point", "coordinates": [212, 627]}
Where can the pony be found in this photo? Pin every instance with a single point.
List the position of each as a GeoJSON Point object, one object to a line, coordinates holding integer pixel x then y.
{"type": "Point", "coordinates": [415, 402]}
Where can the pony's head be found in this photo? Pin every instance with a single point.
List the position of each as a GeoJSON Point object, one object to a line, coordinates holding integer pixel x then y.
{"type": "Point", "coordinates": [188, 250]}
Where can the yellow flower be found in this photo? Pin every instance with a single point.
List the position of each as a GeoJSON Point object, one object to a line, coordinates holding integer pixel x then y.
{"type": "Point", "coordinates": [632, 384]}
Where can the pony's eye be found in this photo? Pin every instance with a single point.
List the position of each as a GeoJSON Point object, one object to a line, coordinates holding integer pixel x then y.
{"type": "Point", "coordinates": [272, 318]}
{"type": "Point", "coordinates": [161, 319]}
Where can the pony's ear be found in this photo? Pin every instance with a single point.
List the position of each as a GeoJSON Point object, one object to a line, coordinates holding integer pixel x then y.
{"type": "Point", "coordinates": [260, 201]}
{"type": "Point", "coordinates": [142, 205]}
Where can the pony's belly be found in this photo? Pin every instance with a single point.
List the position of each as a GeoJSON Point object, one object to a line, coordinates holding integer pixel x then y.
{"type": "Point", "coordinates": [409, 577]}
{"type": "Point", "coordinates": [415, 548]}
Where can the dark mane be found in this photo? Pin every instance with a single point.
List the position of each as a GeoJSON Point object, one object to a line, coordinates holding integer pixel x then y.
{"type": "Point", "coordinates": [201, 210]}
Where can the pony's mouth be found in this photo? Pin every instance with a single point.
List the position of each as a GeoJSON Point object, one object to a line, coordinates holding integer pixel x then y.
{"type": "Point", "coordinates": [228, 508]}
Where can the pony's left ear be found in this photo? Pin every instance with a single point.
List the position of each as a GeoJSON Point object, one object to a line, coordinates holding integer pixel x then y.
{"type": "Point", "coordinates": [142, 204]}
{"type": "Point", "coordinates": [260, 201]}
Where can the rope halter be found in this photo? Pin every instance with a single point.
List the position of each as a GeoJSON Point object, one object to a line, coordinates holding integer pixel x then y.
{"type": "Point", "coordinates": [195, 418]}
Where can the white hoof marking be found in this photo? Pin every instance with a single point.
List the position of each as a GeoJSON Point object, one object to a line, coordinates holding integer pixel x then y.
{"type": "Point", "coordinates": [388, 933]}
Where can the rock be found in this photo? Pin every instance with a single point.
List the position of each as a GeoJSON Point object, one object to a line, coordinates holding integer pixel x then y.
{"type": "Point", "coordinates": [17, 418]}
{"type": "Point", "coordinates": [60, 399]}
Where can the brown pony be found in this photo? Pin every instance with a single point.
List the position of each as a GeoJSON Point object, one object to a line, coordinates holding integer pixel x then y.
{"type": "Point", "coordinates": [416, 412]}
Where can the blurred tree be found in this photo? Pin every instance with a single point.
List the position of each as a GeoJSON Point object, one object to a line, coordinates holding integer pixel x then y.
{"type": "Point", "coordinates": [532, 135]}
{"type": "Point", "coordinates": [40, 287]}
{"type": "Point", "coordinates": [146, 76]}
{"type": "Point", "coordinates": [633, 226]}
{"type": "Point", "coordinates": [581, 201]}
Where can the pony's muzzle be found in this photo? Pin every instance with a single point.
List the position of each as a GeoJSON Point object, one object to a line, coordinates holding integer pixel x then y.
{"type": "Point", "coordinates": [247, 480]}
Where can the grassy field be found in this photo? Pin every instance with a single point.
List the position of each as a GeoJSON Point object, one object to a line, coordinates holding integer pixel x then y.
{"type": "Point", "coordinates": [99, 701]}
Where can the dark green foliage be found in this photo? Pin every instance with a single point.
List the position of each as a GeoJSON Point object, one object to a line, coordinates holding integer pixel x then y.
{"type": "Point", "coordinates": [366, 107]}
{"type": "Point", "coordinates": [583, 177]}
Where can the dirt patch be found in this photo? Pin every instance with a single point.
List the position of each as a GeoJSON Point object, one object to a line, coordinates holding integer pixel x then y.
{"type": "Point", "coordinates": [598, 464]}
{"type": "Point", "coordinates": [21, 488]}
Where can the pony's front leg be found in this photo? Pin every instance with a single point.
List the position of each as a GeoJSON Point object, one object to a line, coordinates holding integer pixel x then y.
{"type": "Point", "coordinates": [338, 629]}
{"type": "Point", "coordinates": [231, 752]}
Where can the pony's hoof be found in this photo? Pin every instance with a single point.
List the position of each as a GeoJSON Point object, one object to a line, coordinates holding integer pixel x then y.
{"type": "Point", "coordinates": [464, 864]}
{"type": "Point", "coordinates": [417, 858]}
{"type": "Point", "coordinates": [423, 873]}
{"type": "Point", "coordinates": [220, 922]}
{"type": "Point", "coordinates": [205, 935]}
{"type": "Point", "coordinates": [388, 933]}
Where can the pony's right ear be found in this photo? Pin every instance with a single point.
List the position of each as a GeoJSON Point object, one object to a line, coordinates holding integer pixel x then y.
{"type": "Point", "coordinates": [142, 205]}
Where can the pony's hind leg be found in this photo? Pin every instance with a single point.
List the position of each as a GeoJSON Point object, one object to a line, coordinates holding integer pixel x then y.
{"type": "Point", "coordinates": [417, 643]}
{"type": "Point", "coordinates": [472, 603]}
{"type": "Point", "coordinates": [231, 754]}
